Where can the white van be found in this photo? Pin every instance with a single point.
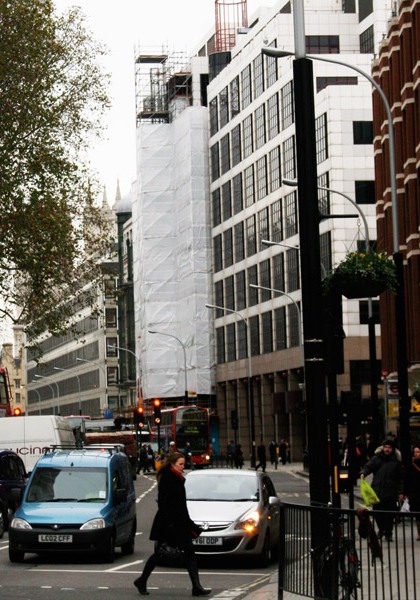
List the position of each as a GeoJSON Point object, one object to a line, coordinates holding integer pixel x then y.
{"type": "Point", "coordinates": [29, 436]}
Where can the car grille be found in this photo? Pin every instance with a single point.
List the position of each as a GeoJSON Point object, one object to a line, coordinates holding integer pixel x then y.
{"type": "Point", "coordinates": [56, 526]}
{"type": "Point", "coordinates": [214, 526]}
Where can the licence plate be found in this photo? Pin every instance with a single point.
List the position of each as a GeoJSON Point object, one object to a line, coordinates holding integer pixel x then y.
{"type": "Point", "coordinates": [55, 538]}
{"type": "Point", "coordinates": [208, 541]}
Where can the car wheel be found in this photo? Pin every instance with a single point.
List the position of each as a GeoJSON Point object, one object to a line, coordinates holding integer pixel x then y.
{"type": "Point", "coordinates": [128, 547]}
{"type": "Point", "coordinates": [16, 556]}
{"type": "Point", "coordinates": [264, 558]}
{"type": "Point", "coordinates": [2, 523]}
{"type": "Point", "coordinates": [109, 551]}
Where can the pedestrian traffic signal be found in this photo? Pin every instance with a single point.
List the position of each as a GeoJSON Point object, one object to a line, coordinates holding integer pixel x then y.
{"type": "Point", "coordinates": [17, 412]}
{"type": "Point", "coordinates": [139, 417]}
{"type": "Point", "coordinates": [156, 410]}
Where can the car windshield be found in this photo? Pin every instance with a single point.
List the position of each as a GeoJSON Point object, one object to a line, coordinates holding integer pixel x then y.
{"type": "Point", "coordinates": [68, 485]}
{"type": "Point", "coordinates": [208, 487]}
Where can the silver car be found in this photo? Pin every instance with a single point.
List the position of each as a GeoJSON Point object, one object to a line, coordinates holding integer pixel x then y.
{"type": "Point", "coordinates": [238, 510]}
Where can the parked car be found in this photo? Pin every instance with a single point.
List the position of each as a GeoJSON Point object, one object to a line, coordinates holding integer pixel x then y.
{"type": "Point", "coordinates": [80, 500]}
{"type": "Point", "coordinates": [12, 475]}
{"type": "Point", "coordinates": [238, 510]}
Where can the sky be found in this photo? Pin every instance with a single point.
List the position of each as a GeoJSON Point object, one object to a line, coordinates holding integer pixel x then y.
{"type": "Point", "coordinates": [123, 25]}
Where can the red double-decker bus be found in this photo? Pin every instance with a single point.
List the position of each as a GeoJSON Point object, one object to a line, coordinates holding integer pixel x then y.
{"type": "Point", "coordinates": [186, 424]}
{"type": "Point", "coordinates": [5, 395]}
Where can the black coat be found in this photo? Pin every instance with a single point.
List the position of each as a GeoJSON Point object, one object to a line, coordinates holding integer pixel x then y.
{"type": "Point", "coordinates": [387, 475]}
{"type": "Point", "coordinates": [172, 522]}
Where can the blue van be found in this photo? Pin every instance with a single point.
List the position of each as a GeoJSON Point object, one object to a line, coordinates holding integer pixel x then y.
{"type": "Point", "coordinates": [76, 500]}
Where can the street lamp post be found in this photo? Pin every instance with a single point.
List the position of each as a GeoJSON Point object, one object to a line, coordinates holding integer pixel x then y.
{"type": "Point", "coordinates": [52, 391]}
{"type": "Point", "coordinates": [34, 390]}
{"type": "Point", "coordinates": [185, 360]}
{"type": "Point", "coordinates": [249, 390]}
{"type": "Point", "coordinates": [400, 313]}
{"type": "Point", "coordinates": [138, 362]}
{"type": "Point", "coordinates": [78, 383]}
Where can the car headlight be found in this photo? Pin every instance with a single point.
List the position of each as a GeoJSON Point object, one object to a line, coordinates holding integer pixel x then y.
{"type": "Point", "coordinates": [249, 522]}
{"type": "Point", "coordinates": [19, 524]}
{"type": "Point", "coordinates": [94, 524]}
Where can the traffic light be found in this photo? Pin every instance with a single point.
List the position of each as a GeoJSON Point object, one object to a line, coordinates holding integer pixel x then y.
{"type": "Point", "coordinates": [17, 412]}
{"type": "Point", "coordinates": [139, 417]}
{"type": "Point", "coordinates": [156, 410]}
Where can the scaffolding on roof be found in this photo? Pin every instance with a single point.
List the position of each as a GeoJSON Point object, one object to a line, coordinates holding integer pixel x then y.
{"type": "Point", "coordinates": [163, 83]}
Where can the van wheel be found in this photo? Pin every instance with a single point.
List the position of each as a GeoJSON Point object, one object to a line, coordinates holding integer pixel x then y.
{"type": "Point", "coordinates": [108, 553]}
{"type": "Point", "coordinates": [128, 547]}
{"type": "Point", "coordinates": [16, 556]}
{"type": "Point", "coordinates": [264, 557]}
{"type": "Point", "coordinates": [2, 523]}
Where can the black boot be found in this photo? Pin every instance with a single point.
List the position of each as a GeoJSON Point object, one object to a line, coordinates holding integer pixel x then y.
{"type": "Point", "coordinates": [140, 584]}
{"type": "Point", "coordinates": [198, 589]}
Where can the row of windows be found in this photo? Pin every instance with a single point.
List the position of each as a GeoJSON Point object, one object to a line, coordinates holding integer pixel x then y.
{"type": "Point", "coordinates": [277, 222]}
{"type": "Point", "coordinates": [272, 330]}
{"type": "Point", "coordinates": [273, 277]}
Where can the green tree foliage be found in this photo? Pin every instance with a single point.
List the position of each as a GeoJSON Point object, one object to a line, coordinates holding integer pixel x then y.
{"type": "Point", "coordinates": [53, 94]}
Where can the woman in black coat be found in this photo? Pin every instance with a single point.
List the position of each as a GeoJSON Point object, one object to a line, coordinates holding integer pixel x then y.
{"type": "Point", "coordinates": [172, 523]}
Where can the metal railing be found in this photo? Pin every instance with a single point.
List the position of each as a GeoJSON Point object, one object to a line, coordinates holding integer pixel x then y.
{"type": "Point", "coordinates": [350, 562]}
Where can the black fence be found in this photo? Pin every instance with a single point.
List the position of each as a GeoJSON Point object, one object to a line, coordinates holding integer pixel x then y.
{"type": "Point", "coordinates": [336, 554]}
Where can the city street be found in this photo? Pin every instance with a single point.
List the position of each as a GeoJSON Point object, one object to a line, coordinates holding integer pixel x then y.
{"type": "Point", "coordinates": [47, 578]}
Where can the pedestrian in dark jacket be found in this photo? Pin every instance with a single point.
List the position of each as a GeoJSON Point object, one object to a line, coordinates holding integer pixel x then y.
{"type": "Point", "coordinates": [413, 490]}
{"type": "Point", "coordinates": [387, 483]}
{"type": "Point", "coordinates": [262, 458]}
{"type": "Point", "coordinates": [172, 523]}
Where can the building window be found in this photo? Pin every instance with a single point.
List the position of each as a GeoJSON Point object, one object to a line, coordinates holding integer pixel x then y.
{"type": "Point", "coordinates": [217, 253]}
{"type": "Point", "coordinates": [217, 214]}
{"type": "Point", "coordinates": [248, 145]}
{"type": "Point", "coordinates": [111, 347]}
{"type": "Point", "coordinates": [278, 273]}
{"type": "Point", "coordinates": [287, 108]}
{"type": "Point", "coordinates": [322, 44]}
{"type": "Point", "coordinates": [289, 158]}
{"type": "Point", "coordinates": [260, 126]}
{"type": "Point", "coordinates": [349, 6]}
{"type": "Point", "coordinates": [251, 238]}
{"type": "Point", "coordinates": [263, 230]}
{"type": "Point", "coordinates": [275, 169]}
{"type": "Point", "coordinates": [229, 293]}
{"type": "Point", "coordinates": [225, 153]}
{"type": "Point", "coordinates": [362, 132]}
{"type": "Point", "coordinates": [220, 336]}
{"type": "Point", "coordinates": [214, 122]}
{"type": "Point", "coordinates": [364, 192]}
{"type": "Point", "coordinates": [224, 107]}
{"type": "Point", "coordinates": [235, 106]}
{"type": "Point", "coordinates": [215, 166]}
{"type": "Point", "coordinates": [367, 41]}
{"type": "Point", "coordinates": [237, 194]}
{"type": "Point", "coordinates": [220, 297]}
{"type": "Point", "coordinates": [235, 141]}
{"type": "Point", "coordinates": [325, 253]}
{"type": "Point", "coordinates": [365, 9]}
{"type": "Point", "coordinates": [280, 327]}
{"type": "Point", "coordinates": [323, 194]}
{"type": "Point", "coordinates": [110, 287]}
{"type": "Point", "coordinates": [292, 257]}
{"type": "Point", "coordinates": [276, 222]}
{"type": "Point", "coordinates": [271, 67]}
{"type": "Point", "coordinates": [240, 289]}
{"type": "Point", "coordinates": [239, 242]}
{"type": "Point", "coordinates": [294, 325]}
{"type": "Point", "coordinates": [254, 325]}
{"type": "Point", "coordinates": [246, 90]}
{"type": "Point", "coordinates": [321, 138]}
{"type": "Point", "coordinates": [258, 75]}
{"type": "Point", "coordinates": [273, 124]}
{"type": "Point", "coordinates": [231, 342]}
{"type": "Point", "coordinates": [261, 178]}
{"type": "Point", "coordinates": [252, 292]}
{"type": "Point", "coordinates": [265, 280]}
{"type": "Point", "coordinates": [249, 192]}
{"type": "Point", "coordinates": [226, 201]}
{"type": "Point", "coordinates": [228, 248]}
{"type": "Point", "coordinates": [323, 82]}
{"type": "Point", "coordinates": [267, 332]}
{"type": "Point", "coordinates": [110, 318]}
{"type": "Point", "coordinates": [112, 375]}
{"type": "Point", "coordinates": [290, 215]}
{"type": "Point", "coordinates": [242, 340]}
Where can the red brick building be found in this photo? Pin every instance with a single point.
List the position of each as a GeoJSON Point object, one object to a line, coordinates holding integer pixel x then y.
{"type": "Point", "coordinates": [397, 70]}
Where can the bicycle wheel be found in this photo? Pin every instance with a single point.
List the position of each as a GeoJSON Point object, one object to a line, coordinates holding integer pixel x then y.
{"type": "Point", "coordinates": [349, 567]}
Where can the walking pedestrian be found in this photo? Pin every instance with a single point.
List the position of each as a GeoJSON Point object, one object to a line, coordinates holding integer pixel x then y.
{"type": "Point", "coordinates": [238, 457]}
{"type": "Point", "coordinates": [413, 490]}
{"type": "Point", "coordinates": [172, 523]}
{"type": "Point", "coordinates": [262, 458]}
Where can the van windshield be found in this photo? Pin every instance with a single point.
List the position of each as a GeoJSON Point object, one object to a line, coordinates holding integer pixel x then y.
{"type": "Point", "coordinates": [68, 485]}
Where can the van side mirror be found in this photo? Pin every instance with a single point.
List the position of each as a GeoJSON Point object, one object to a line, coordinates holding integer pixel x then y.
{"type": "Point", "coordinates": [120, 495]}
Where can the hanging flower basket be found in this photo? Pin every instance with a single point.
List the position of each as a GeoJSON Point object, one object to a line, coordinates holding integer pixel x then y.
{"type": "Point", "coordinates": [363, 275]}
